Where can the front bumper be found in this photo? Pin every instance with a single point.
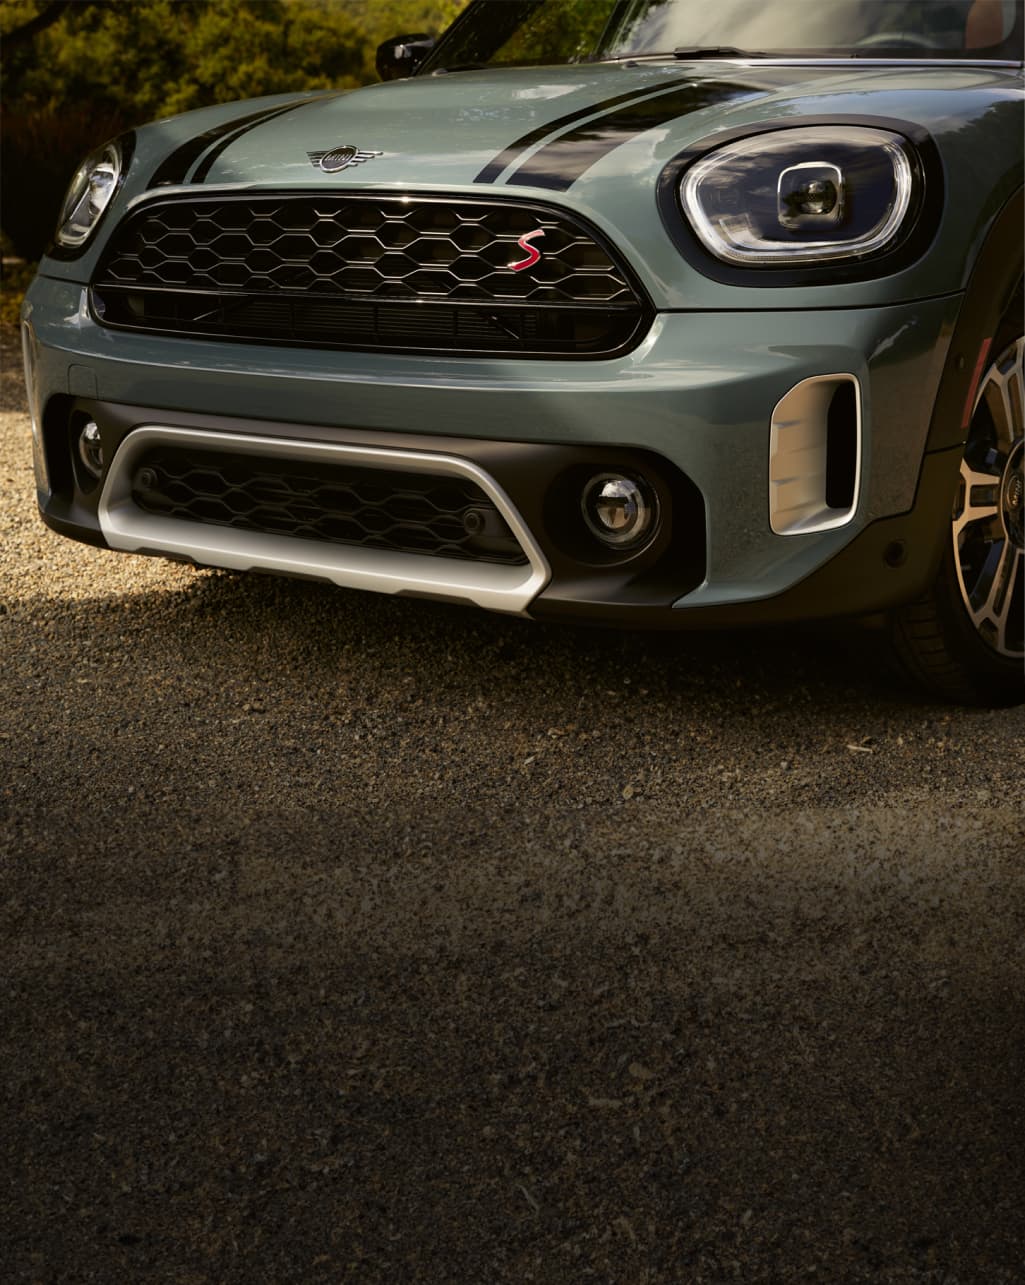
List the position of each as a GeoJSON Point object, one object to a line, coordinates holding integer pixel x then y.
{"type": "Point", "coordinates": [694, 400]}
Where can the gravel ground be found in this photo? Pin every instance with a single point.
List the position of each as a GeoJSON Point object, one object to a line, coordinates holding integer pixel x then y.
{"type": "Point", "coordinates": [351, 939]}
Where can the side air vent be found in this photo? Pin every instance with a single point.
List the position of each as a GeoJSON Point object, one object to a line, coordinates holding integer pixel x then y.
{"type": "Point", "coordinates": [815, 455]}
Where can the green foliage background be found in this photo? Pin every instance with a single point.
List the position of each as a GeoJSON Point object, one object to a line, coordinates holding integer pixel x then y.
{"type": "Point", "coordinates": [107, 65]}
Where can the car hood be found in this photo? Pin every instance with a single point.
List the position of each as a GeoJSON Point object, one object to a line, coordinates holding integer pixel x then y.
{"type": "Point", "coordinates": [596, 140]}
{"type": "Point", "coordinates": [535, 127]}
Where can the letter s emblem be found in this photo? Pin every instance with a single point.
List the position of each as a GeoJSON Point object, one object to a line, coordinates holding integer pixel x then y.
{"type": "Point", "coordinates": [532, 254]}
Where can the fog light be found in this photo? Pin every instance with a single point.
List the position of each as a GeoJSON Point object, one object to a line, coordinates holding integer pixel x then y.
{"type": "Point", "coordinates": [90, 448]}
{"type": "Point", "coordinates": [618, 510]}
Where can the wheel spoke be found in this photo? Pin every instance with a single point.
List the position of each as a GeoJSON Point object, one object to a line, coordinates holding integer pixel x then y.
{"type": "Point", "coordinates": [1002, 616]}
{"type": "Point", "coordinates": [986, 513]}
{"type": "Point", "coordinates": [1016, 387]}
{"type": "Point", "coordinates": [1002, 391]}
{"type": "Point", "coordinates": [980, 497]}
{"type": "Point", "coordinates": [999, 401]}
{"type": "Point", "coordinates": [972, 477]}
{"type": "Point", "coordinates": [995, 583]}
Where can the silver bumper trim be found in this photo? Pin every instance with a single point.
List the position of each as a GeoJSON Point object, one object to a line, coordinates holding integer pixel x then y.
{"type": "Point", "coordinates": [127, 527]}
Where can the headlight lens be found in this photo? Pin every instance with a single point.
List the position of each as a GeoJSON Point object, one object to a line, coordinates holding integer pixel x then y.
{"type": "Point", "coordinates": [91, 191]}
{"type": "Point", "coordinates": [813, 194]}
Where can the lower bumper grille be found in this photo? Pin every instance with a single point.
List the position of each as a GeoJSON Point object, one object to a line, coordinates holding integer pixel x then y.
{"type": "Point", "coordinates": [333, 503]}
{"type": "Point", "coordinates": [361, 516]}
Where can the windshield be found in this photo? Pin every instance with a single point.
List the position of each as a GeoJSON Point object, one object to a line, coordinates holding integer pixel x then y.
{"type": "Point", "coordinates": [530, 32]}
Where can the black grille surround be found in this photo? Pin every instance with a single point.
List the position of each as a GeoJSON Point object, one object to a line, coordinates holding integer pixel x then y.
{"type": "Point", "coordinates": [370, 271]}
{"type": "Point", "coordinates": [334, 503]}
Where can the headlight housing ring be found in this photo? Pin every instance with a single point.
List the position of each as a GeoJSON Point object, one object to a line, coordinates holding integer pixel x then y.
{"type": "Point", "coordinates": [811, 201]}
{"type": "Point", "coordinates": [806, 195]}
{"type": "Point", "coordinates": [90, 194]}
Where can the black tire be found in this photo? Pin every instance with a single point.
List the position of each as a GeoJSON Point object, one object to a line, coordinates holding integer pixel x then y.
{"type": "Point", "coordinates": [963, 640]}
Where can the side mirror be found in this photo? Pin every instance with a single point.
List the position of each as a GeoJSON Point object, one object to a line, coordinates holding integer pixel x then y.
{"type": "Point", "coordinates": [400, 56]}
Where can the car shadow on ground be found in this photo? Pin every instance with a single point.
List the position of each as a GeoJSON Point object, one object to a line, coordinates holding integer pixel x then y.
{"type": "Point", "coordinates": [227, 682]}
{"type": "Point", "coordinates": [350, 938]}
{"type": "Point", "coordinates": [841, 661]}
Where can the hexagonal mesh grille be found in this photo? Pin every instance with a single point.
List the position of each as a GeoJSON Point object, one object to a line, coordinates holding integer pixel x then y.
{"type": "Point", "coordinates": [368, 271]}
{"type": "Point", "coordinates": [446, 517]}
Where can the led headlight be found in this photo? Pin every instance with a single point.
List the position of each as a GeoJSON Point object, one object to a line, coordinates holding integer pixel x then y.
{"type": "Point", "coordinates": [91, 191]}
{"type": "Point", "coordinates": [813, 194]}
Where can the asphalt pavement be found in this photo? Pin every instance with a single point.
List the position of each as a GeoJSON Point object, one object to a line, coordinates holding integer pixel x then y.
{"type": "Point", "coordinates": [345, 938]}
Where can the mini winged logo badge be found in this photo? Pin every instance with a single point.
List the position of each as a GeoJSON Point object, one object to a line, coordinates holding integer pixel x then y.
{"type": "Point", "coordinates": [340, 158]}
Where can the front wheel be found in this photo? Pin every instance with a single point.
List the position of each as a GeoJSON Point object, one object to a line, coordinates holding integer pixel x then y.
{"type": "Point", "coordinates": [965, 639]}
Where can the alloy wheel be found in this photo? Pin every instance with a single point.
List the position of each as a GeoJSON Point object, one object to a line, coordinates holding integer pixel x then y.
{"type": "Point", "coordinates": [989, 512]}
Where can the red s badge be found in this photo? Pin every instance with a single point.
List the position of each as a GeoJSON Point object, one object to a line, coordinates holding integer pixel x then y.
{"type": "Point", "coordinates": [532, 254]}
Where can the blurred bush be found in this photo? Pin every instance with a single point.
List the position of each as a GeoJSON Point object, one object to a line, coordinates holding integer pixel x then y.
{"type": "Point", "coordinates": [15, 279]}
{"type": "Point", "coordinates": [77, 72]}
{"type": "Point", "coordinates": [41, 150]}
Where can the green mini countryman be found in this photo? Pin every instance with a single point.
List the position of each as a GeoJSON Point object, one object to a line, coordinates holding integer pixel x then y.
{"type": "Point", "coordinates": [647, 312]}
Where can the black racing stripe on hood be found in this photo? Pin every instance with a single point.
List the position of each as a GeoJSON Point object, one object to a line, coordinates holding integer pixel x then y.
{"type": "Point", "coordinates": [207, 163]}
{"type": "Point", "coordinates": [173, 168]}
{"type": "Point", "coordinates": [522, 144]}
{"type": "Point", "coordinates": [560, 163]}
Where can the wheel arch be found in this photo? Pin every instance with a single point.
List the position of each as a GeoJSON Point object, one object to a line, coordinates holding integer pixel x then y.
{"type": "Point", "coordinates": [995, 277]}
